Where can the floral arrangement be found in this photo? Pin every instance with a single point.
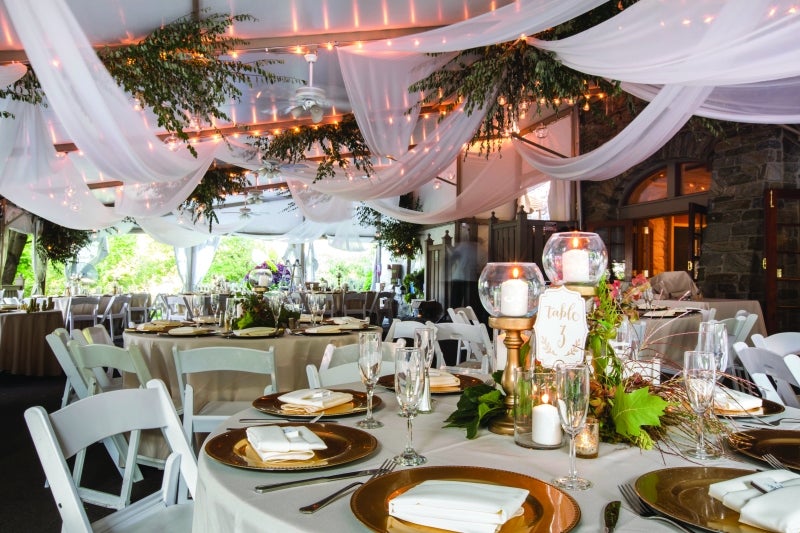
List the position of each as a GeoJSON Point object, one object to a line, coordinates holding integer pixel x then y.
{"type": "Point", "coordinates": [281, 274]}
{"type": "Point", "coordinates": [256, 313]}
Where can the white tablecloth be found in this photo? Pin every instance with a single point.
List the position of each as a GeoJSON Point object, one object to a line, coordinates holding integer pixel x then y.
{"type": "Point", "coordinates": [225, 500]}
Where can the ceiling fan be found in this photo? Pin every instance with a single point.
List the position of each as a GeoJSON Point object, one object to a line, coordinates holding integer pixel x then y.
{"type": "Point", "coordinates": [309, 99]}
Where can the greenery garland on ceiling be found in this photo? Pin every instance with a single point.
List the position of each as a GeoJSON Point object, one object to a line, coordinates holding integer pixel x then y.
{"type": "Point", "coordinates": [292, 145]}
{"type": "Point", "coordinates": [59, 244]}
{"type": "Point", "coordinates": [178, 71]}
{"type": "Point", "coordinates": [522, 78]}
{"type": "Point", "coordinates": [402, 239]}
{"type": "Point", "coordinates": [211, 192]}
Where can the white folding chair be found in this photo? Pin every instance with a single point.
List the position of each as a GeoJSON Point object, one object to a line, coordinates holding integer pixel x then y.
{"type": "Point", "coordinates": [117, 316]}
{"type": "Point", "coordinates": [177, 307]}
{"type": "Point", "coordinates": [62, 434]}
{"type": "Point", "coordinates": [773, 374]}
{"type": "Point", "coordinates": [475, 337]}
{"type": "Point", "coordinates": [140, 307]}
{"type": "Point", "coordinates": [98, 335]}
{"type": "Point", "coordinates": [354, 304]}
{"type": "Point", "coordinates": [339, 364]}
{"type": "Point", "coordinates": [214, 359]}
{"type": "Point", "coordinates": [82, 309]}
{"type": "Point", "coordinates": [403, 329]}
{"type": "Point", "coordinates": [781, 343]}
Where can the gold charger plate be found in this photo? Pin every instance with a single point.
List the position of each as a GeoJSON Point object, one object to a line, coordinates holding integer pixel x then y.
{"type": "Point", "coordinates": [387, 381]}
{"type": "Point", "coordinates": [272, 405]}
{"type": "Point", "coordinates": [782, 443]}
{"type": "Point", "coordinates": [345, 445]}
{"type": "Point", "coordinates": [768, 408]}
{"type": "Point", "coordinates": [682, 493]}
{"type": "Point", "coordinates": [547, 508]}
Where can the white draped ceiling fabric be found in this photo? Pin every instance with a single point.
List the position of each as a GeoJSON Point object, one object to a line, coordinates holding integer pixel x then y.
{"type": "Point", "coordinates": [730, 59]}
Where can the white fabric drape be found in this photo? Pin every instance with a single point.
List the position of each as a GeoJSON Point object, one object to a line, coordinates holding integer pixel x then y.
{"type": "Point", "coordinates": [193, 262]}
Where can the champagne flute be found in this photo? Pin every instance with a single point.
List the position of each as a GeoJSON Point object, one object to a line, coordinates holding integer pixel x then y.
{"type": "Point", "coordinates": [699, 379]}
{"type": "Point", "coordinates": [275, 302]}
{"type": "Point", "coordinates": [313, 307]}
{"type": "Point", "coordinates": [572, 395]}
{"type": "Point", "coordinates": [370, 356]}
{"type": "Point", "coordinates": [408, 382]}
{"type": "Point", "coordinates": [423, 340]}
{"type": "Point", "coordinates": [712, 336]}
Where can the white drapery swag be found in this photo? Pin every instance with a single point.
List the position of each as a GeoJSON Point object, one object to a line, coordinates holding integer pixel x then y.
{"type": "Point", "coordinates": [193, 262]}
{"type": "Point", "coordinates": [733, 51]}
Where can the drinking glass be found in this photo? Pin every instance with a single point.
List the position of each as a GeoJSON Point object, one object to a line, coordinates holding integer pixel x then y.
{"type": "Point", "coordinates": [275, 303]}
{"type": "Point", "coordinates": [648, 298]}
{"type": "Point", "coordinates": [699, 379]}
{"type": "Point", "coordinates": [408, 380]}
{"type": "Point", "coordinates": [314, 301]}
{"type": "Point", "coordinates": [622, 341]}
{"type": "Point", "coordinates": [423, 340]}
{"type": "Point", "coordinates": [572, 397]}
{"type": "Point", "coordinates": [215, 305]}
{"type": "Point", "coordinates": [370, 356]}
{"type": "Point", "coordinates": [713, 337]}
{"type": "Point", "coordinates": [198, 304]}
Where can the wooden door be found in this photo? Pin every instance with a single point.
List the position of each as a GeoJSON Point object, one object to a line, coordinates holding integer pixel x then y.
{"type": "Point", "coordinates": [782, 260]}
{"type": "Point", "coordinates": [697, 223]}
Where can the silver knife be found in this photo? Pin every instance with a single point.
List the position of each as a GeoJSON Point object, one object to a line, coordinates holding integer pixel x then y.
{"type": "Point", "coordinates": [610, 516]}
{"type": "Point", "coordinates": [313, 480]}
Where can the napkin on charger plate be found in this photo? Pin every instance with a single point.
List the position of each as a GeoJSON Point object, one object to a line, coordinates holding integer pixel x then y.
{"type": "Point", "coordinates": [459, 505]}
{"type": "Point", "coordinates": [276, 443]}
{"type": "Point", "coordinates": [307, 401]}
{"type": "Point", "coordinates": [734, 400]}
{"type": "Point", "coordinates": [774, 511]}
{"type": "Point", "coordinates": [441, 379]}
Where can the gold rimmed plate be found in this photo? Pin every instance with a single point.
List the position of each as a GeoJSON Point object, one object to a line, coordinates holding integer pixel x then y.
{"type": "Point", "coordinates": [257, 333]}
{"type": "Point", "coordinates": [682, 494]}
{"type": "Point", "coordinates": [387, 381]}
{"type": "Point", "coordinates": [272, 405]}
{"type": "Point", "coordinates": [344, 445]}
{"type": "Point", "coordinates": [768, 408]}
{"type": "Point", "coordinates": [547, 508]}
{"type": "Point", "coordinates": [782, 443]}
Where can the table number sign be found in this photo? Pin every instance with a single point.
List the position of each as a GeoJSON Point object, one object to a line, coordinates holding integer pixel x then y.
{"type": "Point", "coordinates": [560, 327]}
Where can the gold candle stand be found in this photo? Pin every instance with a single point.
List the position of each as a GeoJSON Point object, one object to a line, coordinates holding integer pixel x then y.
{"type": "Point", "coordinates": [513, 326]}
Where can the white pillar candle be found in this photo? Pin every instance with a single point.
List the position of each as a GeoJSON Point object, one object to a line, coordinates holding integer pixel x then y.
{"type": "Point", "coordinates": [514, 298]}
{"type": "Point", "coordinates": [262, 280]}
{"type": "Point", "coordinates": [545, 425]}
{"type": "Point", "coordinates": [575, 266]}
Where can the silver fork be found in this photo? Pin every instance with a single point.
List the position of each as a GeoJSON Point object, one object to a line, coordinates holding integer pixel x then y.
{"type": "Point", "coordinates": [387, 466]}
{"type": "Point", "coordinates": [641, 508]}
{"type": "Point", "coordinates": [773, 461]}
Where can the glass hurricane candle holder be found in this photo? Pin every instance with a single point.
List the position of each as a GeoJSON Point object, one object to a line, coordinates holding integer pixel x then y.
{"type": "Point", "coordinates": [575, 258]}
{"type": "Point", "coordinates": [510, 289]}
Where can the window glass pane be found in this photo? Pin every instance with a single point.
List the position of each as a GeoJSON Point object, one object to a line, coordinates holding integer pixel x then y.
{"type": "Point", "coordinates": [652, 188]}
{"type": "Point", "coordinates": [695, 178]}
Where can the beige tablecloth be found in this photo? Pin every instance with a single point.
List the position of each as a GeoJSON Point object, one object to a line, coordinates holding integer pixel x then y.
{"type": "Point", "coordinates": [23, 348]}
{"type": "Point", "coordinates": [726, 308]}
{"type": "Point", "coordinates": [225, 500]}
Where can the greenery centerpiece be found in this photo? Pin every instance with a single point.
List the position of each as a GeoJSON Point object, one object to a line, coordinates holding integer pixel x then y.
{"type": "Point", "coordinates": [630, 407]}
{"type": "Point", "coordinates": [256, 313]}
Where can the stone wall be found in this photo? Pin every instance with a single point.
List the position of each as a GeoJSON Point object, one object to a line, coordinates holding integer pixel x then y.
{"type": "Point", "coordinates": [746, 161]}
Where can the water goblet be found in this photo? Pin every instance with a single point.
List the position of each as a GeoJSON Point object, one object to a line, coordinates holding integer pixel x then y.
{"type": "Point", "coordinates": [314, 307]}
{"type": "Point", "coordinates": [423, 340]}
{"type": "Point", "coordinates": [275, 303]}
{"type": "Point", "coordinates": [198, 305]}
{"type": "Point", "coordinates": [622, 340]}
{"type": "Point", "coordinates": [408, 381]}
{"type": "Point", "coordinates": [572, 397]}
{"type": "Point", "coordinates": [712, 336]}
{"type": "Point", "coordinates": [370, 357]}
{"type": "Point", "coordinates": [699, 379]}
{"type": "Point", "coordinates": [215, 305]}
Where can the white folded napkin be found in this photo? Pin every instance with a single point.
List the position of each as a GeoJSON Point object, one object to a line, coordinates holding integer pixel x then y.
{"type": "Point", "coordinates": [254, 332]}
{"type": "Point", "coordinates": [312, 400]}
{"type": "Point", "coordinates": [275, 443]}
{"type": "Point", "coordinates": [735, 493]}
{"type": "Point", "coordinates": [734, 400]}
{"type": "Point", "coordinates": [458, 505]}
{"type": "Point", "coordinates": [776, 510]}
{"type": "Point", "coordinates": [441, 379]}
{"type": "Point", "coordinates": [189, 330]}
{"type": "Point", "coordinates": [342, 320]}
{"type": "Point", "coordinates": [325, 329]}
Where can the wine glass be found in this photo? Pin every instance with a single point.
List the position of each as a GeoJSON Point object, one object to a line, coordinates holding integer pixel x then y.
{"type": "Point", "coordinates": [314, 307]}
{"type": "Point", "coordinates": [423, 340]}
{"type": "Point", "coordinates": [370, 357]}
{"type": "Point", "coordinates": [699, 379]}
{"type": "Point", "coordinates": [623, 340]}
{"type": "Point", "coordinates": [215, 305]}
{"type": "Point", "coordinates": [275, 303]}
{"type": "Point", "coordinates": [198, 304]}
{"type": "Point", "coordinates": [572, 397]}
{"type": "Point", "coordinates": [712, 336]}
{"type": "Point", "coordinates": [408, 382]}
{"type": "Point", "coordinates": [648, 298]}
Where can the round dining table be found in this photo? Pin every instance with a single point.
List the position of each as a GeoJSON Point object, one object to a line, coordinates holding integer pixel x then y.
{"type": "Point", "coordinates": [225, 499]}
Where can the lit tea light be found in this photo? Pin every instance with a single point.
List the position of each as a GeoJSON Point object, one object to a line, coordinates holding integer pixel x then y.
{"type": "Point", "coordinates": [587, 442]}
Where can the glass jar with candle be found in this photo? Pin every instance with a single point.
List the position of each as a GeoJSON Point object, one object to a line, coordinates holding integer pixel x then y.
{"type": "Point", "coordinates": [510, 289]}
{"type": "Point", "coordinates": [587, 441]}
{"type": "Point", "coordinates": [536, 421]}
{"type": "Point", "coordinates": [575, 258]}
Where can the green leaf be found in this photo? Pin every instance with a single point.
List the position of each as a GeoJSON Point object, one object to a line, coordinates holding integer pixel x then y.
{"type": "Point", "coordinates": [632, 410]}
